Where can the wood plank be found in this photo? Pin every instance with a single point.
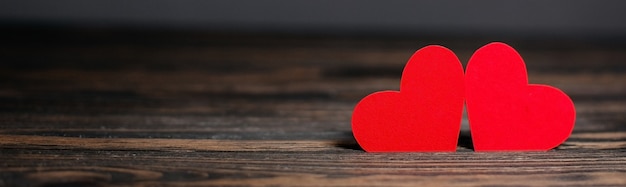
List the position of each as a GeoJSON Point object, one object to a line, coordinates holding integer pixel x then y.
{"type": "Point", "coordinates": [41, 142]}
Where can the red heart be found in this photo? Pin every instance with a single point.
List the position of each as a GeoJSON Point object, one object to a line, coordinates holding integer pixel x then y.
{"type": "Point", "coordinates": [425, 115]}
{"type": "Point", "coordinates": [508, 114]}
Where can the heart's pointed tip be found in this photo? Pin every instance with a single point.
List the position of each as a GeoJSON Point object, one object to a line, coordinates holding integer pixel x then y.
{"type": "Point", "coordinates": [509, 150]}
{"type": "Point", "coordinates": [532, 147]}
{"type": "Point", "coordinates": [411, 150]}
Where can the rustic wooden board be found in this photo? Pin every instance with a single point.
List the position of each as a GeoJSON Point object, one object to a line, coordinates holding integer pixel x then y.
{"type": "Point", "coordinates": [113, 108]}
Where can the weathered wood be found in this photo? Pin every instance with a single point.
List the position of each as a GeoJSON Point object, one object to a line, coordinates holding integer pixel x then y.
{"type": "Point", "coordinates": [109, 108]}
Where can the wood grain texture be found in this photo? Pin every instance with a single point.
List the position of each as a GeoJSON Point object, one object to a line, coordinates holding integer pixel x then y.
{"type": "Point", "coordinates": [148, 108]}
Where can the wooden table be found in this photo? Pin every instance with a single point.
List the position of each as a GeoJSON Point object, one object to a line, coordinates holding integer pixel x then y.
{"type": "Point", "coordinates": [100, 107]}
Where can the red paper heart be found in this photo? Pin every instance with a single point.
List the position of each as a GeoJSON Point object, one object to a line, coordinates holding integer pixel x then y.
{"type": "Point", "coordinates": [425, 115]}
{"type": "Point", "coordinates": [508, 114]}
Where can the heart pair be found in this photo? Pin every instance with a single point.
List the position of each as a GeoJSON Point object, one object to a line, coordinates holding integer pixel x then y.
{"type": "Point", "coordinates": [505, 112]}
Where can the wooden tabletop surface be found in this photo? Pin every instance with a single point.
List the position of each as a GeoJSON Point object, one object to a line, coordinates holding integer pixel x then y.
{"type": "Point", "coordinates": [103, 107]}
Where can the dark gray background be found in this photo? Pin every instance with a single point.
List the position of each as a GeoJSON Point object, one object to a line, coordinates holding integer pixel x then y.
{"type": "Point", "coordinates": [529, 17]}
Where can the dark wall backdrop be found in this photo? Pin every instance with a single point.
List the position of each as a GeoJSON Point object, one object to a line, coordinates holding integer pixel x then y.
{"type": "Point", "coordinates": [528, 17]}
